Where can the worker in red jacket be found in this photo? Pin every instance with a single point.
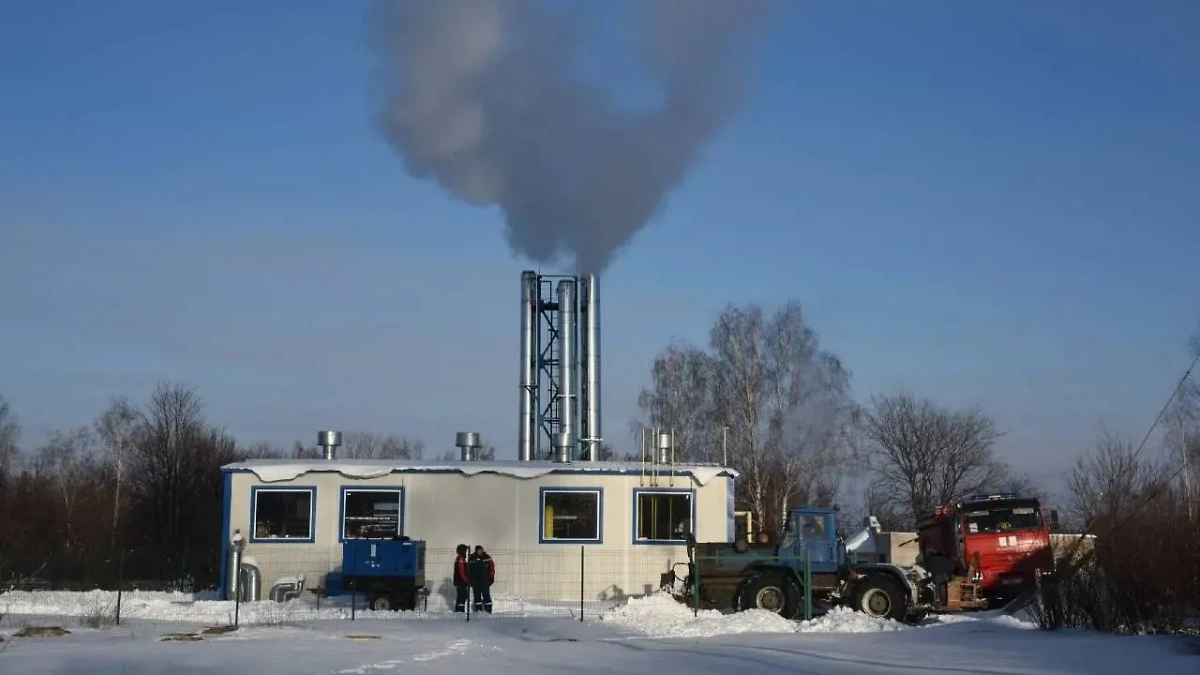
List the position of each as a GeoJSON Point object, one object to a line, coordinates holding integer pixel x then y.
{"type": "Point", "coordinates": [462, 579]}
{"type": "Point", "coordinates": [482, 575]}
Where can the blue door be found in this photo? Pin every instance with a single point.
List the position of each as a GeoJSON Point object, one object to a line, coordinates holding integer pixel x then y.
{"type": "Point", "coordinates": [819, 541]}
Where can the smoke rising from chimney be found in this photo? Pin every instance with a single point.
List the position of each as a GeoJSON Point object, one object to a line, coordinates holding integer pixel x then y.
{"type": "Point", "coordinates": [482, 97]}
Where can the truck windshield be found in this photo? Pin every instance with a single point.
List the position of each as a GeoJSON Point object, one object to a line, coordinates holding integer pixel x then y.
{"type": "Point", "coordinates": [1008, 519]}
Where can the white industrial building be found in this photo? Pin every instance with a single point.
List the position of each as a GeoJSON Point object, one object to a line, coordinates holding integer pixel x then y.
{"type": "Point", "coordinates": [628, 521]}
{"type": "Point", "coordinates": [550, 518]}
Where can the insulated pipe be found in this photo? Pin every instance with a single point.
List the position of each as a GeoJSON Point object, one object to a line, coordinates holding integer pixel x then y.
{"type": "Point", "coordinates": [527, 425]}
{"type": "Point", "coordinates": [589, 338]}
{"type": "Point", "coordinates": [567, 396]}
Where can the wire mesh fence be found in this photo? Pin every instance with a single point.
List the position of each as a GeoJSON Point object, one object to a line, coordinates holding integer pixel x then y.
{"type": "Point", "coordinates": [289, 584]}
{"type": "Point", "coordinates": [759, 577]}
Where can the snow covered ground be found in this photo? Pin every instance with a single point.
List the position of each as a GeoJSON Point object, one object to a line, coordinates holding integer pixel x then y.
{"type": "Point", "coordinates": [649, 635]}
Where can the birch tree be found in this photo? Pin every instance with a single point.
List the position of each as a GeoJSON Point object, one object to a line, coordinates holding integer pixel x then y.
{"type": "Point", "coordinates": [786, 403]}
{"type": "Point", "coordinates": [66, 461]}
{"type": "Point", "coordinates": [811, 413]}
{"type": "Point", "coordinates": [679, 400]}
{"type": "Point", "coordinates": [117, 429]}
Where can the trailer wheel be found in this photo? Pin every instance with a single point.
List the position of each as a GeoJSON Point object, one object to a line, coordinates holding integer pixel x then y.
{"type": "Point", "coordinates": [770, 592]}
{"type": "Point", "coordinates": [880, 597]}
{"type": "Point", "coordinates": [381, 602]}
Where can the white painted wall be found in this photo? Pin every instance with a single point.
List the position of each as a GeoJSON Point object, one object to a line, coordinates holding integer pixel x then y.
{"type": "Point", "coordinates": [501, 513]}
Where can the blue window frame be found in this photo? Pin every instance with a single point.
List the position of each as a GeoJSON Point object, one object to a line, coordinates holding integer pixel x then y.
{"type": "Point", "coordinates": [370, 512]}
{"type": "Point", "coordinates": [569, 515]}
{"type": "Point", "coordinates": [663, 515]}
{"type": "Point", "coordinates": [283, 515]}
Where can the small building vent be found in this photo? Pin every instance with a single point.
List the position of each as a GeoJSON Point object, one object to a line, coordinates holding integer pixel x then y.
{"type": "Point", "coordinates": [329, 442]}
{"type": "Point", "coordinates": [468, 445]}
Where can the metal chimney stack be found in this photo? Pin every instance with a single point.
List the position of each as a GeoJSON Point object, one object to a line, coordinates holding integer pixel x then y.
{"type": "Point", "coordinates": [468, 445]}
{"type": "Point", "coordinates": [567, 382]}
{"type": "Point", "coordinates": [329, 442]}
{"type": "Point", "coordinates": [527, 426]}
{"type": "Point", "coordinates": [589, 363]}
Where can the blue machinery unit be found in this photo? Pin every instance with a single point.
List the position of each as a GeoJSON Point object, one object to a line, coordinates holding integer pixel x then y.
{"type": "Point", "coordinates": [390, 571]}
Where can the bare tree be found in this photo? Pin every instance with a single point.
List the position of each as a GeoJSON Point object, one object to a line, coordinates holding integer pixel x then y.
{"type": "Point", "coordinates": [923, 455]}
{"type": "Point", "coordinates": [264, 450]}
{"type": "Point", "coordinates": [163, 460]}
{"type": "Point", "coordinates": [300, 450]}
{"type": "Point", "coordinates": [1109, 481]}
{"type": "Point", "coordinates": [10, 434]}
{"type": "Point", "coordinates": [359, 444]}
{"type": "Point", "coordinates": [117, 428]}
{"type": "Point", "coordinates": [66, 460]}
{"type": "Point", "coordinates": [679, 400]}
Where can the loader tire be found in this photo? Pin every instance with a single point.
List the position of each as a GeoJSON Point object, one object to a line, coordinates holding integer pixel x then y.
{"type": "Point", "coordinates": [881, 597]}
{"type": "Point", "coordinates": [770, 592]}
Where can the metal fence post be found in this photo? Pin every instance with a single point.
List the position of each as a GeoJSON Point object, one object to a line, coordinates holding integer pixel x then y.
{"type": "Point", "coordinates": [807, 586]}
{"type": "Point", "coordinates": [120, 580]}
{"type": "Point", "coordinates": [353, 584]}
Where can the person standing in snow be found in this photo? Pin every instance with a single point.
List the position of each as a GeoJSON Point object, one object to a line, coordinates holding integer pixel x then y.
{"type": "Point", "coordinates": [482, 575]}
{"type": "Point", "coordinates": [462, 581]}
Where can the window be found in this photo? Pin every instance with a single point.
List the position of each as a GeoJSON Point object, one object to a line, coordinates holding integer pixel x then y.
{"type": "Point", "coordinates": [662, 516]}
{"type": "Point", "coordinates": [571, 516]}
{"type": "Point", "coordinates": [1004, 520]}
{"type": "Point", "coordinates": [283, 514]}
{"type": "Point", "coordinates": [372, 513]}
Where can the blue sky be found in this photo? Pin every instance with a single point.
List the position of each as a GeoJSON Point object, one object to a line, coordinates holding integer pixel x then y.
{"type": "Point", "coordinates": [987, 203]}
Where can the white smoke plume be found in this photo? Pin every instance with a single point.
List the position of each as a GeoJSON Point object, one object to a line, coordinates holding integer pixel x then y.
{"type": "Point", "coordinates": [483, 96]}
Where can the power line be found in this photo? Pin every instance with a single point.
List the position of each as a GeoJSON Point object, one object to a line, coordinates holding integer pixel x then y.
{"type": "Point", "coordinates": [1167, 406]}
{"type": "Point", "coordinates": [1156, 489]}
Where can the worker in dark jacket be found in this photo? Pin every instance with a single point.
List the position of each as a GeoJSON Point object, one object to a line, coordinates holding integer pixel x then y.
{"type": "Point", "coordinates": [482, 575]}
{"type": "Point", "coordinates": [462, 580]}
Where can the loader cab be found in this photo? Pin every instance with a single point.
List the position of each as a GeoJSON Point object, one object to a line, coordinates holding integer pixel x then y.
{"type": "Point", "coordinates": [812, 533]}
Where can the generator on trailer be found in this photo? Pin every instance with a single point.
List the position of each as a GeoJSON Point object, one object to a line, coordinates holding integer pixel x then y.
{"type": "Point", "coordinates": [390, 571]}
{"type": "Point", "coordinates": [812, 558]}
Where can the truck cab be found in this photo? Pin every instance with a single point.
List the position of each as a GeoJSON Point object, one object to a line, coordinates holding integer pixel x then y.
{"type": "Point", "coordinates": [1001, 541]}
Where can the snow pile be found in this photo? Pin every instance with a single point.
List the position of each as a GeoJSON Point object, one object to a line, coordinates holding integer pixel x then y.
{"type": "Point", "coordinates": [846, 620]}
{"type": "Point", "coordinates": [100, 607]}
{"type": "Point", "coordinates": [660, 615]}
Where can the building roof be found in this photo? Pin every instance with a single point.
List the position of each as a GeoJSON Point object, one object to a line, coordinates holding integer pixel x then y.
{"type": "Point", "coordinates": [276, 470]}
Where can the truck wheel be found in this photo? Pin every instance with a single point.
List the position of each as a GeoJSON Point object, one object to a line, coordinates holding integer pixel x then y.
{"type": "Point", "coordinates": [881, 597]}
{"type": "Point", "coordinates": [381, 602]}
{"type": "Point", "coordinates": [770, 592]}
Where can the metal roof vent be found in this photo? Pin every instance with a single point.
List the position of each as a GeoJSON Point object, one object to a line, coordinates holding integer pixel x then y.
{"type": "Point", "coordinates": [665, 442]}
{"type": "Point", "coordinates": [329, 442]}
{"type": "Point", "coordinates": [468, 445]}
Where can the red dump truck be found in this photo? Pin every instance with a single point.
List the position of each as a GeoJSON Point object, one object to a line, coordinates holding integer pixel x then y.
{"type": "Point", "coordinates": [1001, 541]}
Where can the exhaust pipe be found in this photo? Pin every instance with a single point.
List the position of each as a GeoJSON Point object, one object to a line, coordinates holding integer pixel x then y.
{"type": "Point", "coordinates": [527, 425]}
{"type": "Point", "coordinates": [589, 359]}
{"type": "Point", "coordinates": [567, 385]}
